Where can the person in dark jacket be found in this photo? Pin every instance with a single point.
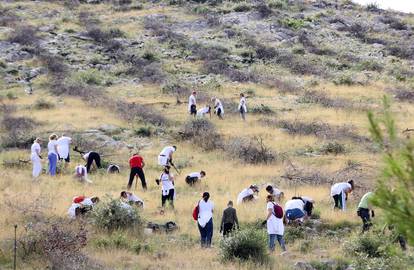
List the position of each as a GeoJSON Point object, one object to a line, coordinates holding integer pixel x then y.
{"type": "Point", "coordinates": [229, 221]}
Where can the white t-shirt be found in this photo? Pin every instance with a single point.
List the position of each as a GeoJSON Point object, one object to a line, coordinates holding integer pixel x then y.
{"type": "Point", "coordinates": [126, 206]}
{"type": "Point", "coordinates": [219, 105]}
{"type": "Point", "coordinates": [133, 198]}
{"type": "Point", "coordinates": [87, 202]}
{"type": "Point", "coordinates": [195, 174]}
{"type": "Point", "coordinates": [51, 147]}
{"type": "Point", "coordinates": [245, 193]}
{"type": "Point", "coordinates": [167, 151]}
{"type": "Point", "coordinates": [205, 212]}
{"type": "Point", "coordinates": [86, 156]}
{"type": "Point", "coordinates": [203, 111]}
{"type": "Point", "coordinates": [72, 210]}
{"type": "Point", "coordinates": [166, 183]}
{"type": "Point", "coordinates": [276, 192]}
{"type": "Point", "coordinates": [339, 187]}
{"type": "Point", "coordinates": [293, 204]}
{"type": "Point", "coordinates": [274, 224]}
{"type": "Point", "coordinates": [191, 101]}
{"type": "Point", "coordinates": [242, 104]}
{"type": "Point", "coordinates": [63, 146]}
{"type": "Point", "coordinates": [35, 147]}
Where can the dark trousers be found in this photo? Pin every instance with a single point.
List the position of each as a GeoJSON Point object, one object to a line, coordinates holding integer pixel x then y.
{"type": "Point", "coordinates": [363, 213]}
{"type": "Point", "coordinates": [227, 228]}
{"type": "Point", "coordinates": [137, 171]}
{"type": "Point", "coordinates": [206, 233]}
{"type": "Point", "coordinates": [193, 110]}
{"type": "Point", "coordinates": [248, 198]}
{"type": "Point", "coordinates": [93, 156]}
{"type": "Point", "coordinates": [168, 197]}
{"type": "Point", "coordinates": [191, 180]}
{"type": "Point", "coordinates": [338, 200]}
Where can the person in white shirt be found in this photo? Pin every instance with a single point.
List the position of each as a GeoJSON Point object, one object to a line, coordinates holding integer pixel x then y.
{"type": "Point", "coordinates": [52, 155]}
{"type": "Point", "coordinates": [81, 174]}
{"type": "Point", "coordinates": [192, 104]}
{"type": "Point", "coordinates": [242, 107]}
{"type": "Point", "coordinates": [205, 220]}
{"type": "Point", "coordinates": [218, 107]}
{"type": "Point", "coordinates": [81, 205]}
{"type": "Point", "coordinates": [167, 187]}
{"type": "Point", "coordinates": [308, 201]}
{"type": "Point", "coordinates": [194, 177]}
{"type": "Point", "coordinates": [203, 111]}
{"type": "Point", "coordinates": [339, 193]}
{"type": "Point", "coordinates": [132, 199]}
{"type": "Point", "coordinates": [74, 210]}
{"type": "Point", "coordinates": [36, 158]}
{"type": "Point", "coordinates": [248, 194]}
{"type": "Point", "coordinates": [63, 148]}
{"type": "Point", "coordinates": [274, 223]}
{"type": "Point", "coordinates": [295, 210]}
{"type": "Point", "coordinates": [275, 192]}
{"type": "Point", "coordinates": [166, 155]}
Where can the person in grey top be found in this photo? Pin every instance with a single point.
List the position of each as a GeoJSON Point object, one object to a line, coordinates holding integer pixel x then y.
{"type": "Point", "coordinates": [229, 221]}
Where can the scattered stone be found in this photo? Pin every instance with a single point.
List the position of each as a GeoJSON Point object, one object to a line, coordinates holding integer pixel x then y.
{"type": "Point", "coordinates": [303, 266]}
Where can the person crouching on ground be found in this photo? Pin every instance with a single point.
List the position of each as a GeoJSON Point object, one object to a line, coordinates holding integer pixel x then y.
{"type": "Point", "coordinates": [229, 221]}
{"type": "Point", "coordinates": [81, 174]}
{"type": "Point", "coordinates": [274, 223]}
{"type": "Point", "coordinates": [194, 177]}
{"type": "Point", "coordinates": [248, 194]}
{"type": "Point", "coordinates": [339, 193]}
{"type": "Point", "coordinates": [205, 220]}
{"type": "Point", "coordinates": [275, 192]}
{"type": "Point", "coordinates": [294, 211]}
{"type": "Point", "coordinates": [132, 199]}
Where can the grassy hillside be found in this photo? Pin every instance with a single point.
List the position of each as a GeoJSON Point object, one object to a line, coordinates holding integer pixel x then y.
{"type": "Point", "coordinates": [107, 72]}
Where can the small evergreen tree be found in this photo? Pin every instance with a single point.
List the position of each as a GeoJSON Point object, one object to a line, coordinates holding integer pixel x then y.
{"type": "Point", "coordinates": [395, 189]}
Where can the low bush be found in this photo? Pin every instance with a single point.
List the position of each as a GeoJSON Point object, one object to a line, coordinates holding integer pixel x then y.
{"type": "Point", "coordinates": [202, 133]}
{"type": "Point", "coordinates": [90, 77]}
{"type": "Point", "coordinates": [292, 23]}
{"type": "Point", "coordinates": [337, 264]}
{"type": "Point", "coordinates": [134, 111]}
{"type": "Point", "coordinates": [401, 49]}
{"type": "Point", "coordinates": [278, 4]}
{"type": "Point", "coordinates": [263, 10]}
{"type": "Point", "coordinates": [73, 87]}
{"type": "Point", "coordinates": [293, 233]}
{"type": "Point", "coordinates": [332, 148]}
{"type": "Point", "coordinates": [146, 131]}
{"type": "Point", "coordinates": [111, 215]}
{"type": "Point", "coordinates": [175, 88]}
{"type": "Point", "coordinates": [7, 17]}
{"type": "Point", "coordinates": [18, 131]}
{"type": "Point", "coordinates": [345, 78]}
{"type": "Point", "coordinates": [25, 35]}
{"type": "Point", "coordinates": [262, 109]}
{"type": "Point", "coordinates": [58, 242]}
{"type": "Point", "coordinates": [250, 150]}
{"type": "Point", "coordinates": [43, 104]}
{"type": "Point", "coordinates": [242, 7]}
{"type": "Point", "coordinates": [312, 96]}
{"type": "Point", "coordinates": [54, 63]}
{"type": "Point", "coordinates": [404, 95]}
{"type": "Point", "coordinates": [370, 65]}
{"type": "Point", "coordinates": [245, 245]}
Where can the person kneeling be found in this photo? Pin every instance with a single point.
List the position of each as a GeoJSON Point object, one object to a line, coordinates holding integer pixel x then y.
{"type": "Point", "coordinates": [81, 174]}
{"type": "Point", "coordinates": [295, 211]}
{"type": "Point", "coordinates": [194, 177]}
{"type": "Point", "coordinates": [132, 199]}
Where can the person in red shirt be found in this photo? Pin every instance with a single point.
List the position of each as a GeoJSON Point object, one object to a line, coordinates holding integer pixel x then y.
{"type": "Point", "coordinates": [136, 162]}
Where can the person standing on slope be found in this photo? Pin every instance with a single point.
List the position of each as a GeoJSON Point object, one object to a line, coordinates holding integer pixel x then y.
{"type": "Point", "coordinates": [242, 107]}
{"type": "Point", "coordinates": [192, 104]}
{"type": "Point", "coordinates": [63, 148]}
{"type": "Point", "coordinates": [36, 158]}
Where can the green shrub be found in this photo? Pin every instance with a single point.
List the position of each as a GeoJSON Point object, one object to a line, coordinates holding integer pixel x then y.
{"type": "Point", "coordinates": [332, 148]}
{"type": "Point", "coordinates": [293, 233]}
{"type": "Point", "coordinates": [262, 109]}
{"type": "Point", "coordinates": [42, 104]}
{"type": "Point", "coordinates": [146, 131]}
{"type": "Point", "coordinates": [278, 4]}
{"type": "Point", "coordinates": [371, 65]}
{"type": "Point", "coordinates": [112, 216]}
{"type": "Point", "coordinates": [336, 264]}
{"type": "Point", "coordinates": [245, 245]}
{"type": "Point", "coordinates": [293, 23]}
{"type": "Point", "coordinates": [344, 79]}
{"type": "Point", "coordinates": [242, 8]}
{"type": "Point", "coordinates": [90, 76]}
{"type": "Point", "coordinates": [11, 95]}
